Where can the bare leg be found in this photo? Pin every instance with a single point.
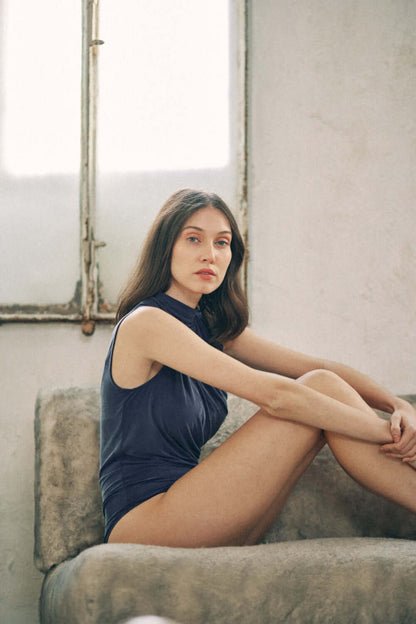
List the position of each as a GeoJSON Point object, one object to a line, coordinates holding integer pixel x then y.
{"type": "Point", "coordinates": [277, 505]}
{"type": "Point", "coordinates": [364, 461]}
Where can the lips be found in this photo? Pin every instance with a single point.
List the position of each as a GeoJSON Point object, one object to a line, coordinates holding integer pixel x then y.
{"type": "Point", "coordinates": [205, 272]}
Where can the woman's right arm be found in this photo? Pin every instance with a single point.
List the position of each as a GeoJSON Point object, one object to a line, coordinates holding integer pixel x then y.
{"type": "Point", "coordinates": [151, 335]}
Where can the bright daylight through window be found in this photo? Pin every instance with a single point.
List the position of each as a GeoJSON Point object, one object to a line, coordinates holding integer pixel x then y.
{"type": "Point", "coordinates": [174, 112]}
{"type": "Point", "coordinates": [163, 86]}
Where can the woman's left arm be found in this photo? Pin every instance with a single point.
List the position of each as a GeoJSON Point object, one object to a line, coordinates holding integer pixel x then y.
{"type": "Point", "coordinates": [265, 355]}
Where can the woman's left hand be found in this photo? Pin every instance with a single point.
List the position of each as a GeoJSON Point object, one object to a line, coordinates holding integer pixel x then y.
{"type": "Point", "coordinates": [403, 431]}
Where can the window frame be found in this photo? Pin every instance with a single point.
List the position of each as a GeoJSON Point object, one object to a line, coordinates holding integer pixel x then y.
{"type": "Point", "coordinates": [87, 306]}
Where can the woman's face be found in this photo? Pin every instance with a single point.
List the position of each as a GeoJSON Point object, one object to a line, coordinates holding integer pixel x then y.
{"type": "Point", "coordinates": [200, 256]}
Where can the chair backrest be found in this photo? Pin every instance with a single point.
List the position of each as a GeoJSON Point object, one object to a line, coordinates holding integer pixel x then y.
{"type": "Point", "coordinates": [68, 513]}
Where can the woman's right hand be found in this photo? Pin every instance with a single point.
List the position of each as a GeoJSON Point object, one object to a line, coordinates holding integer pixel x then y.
{"type": "Point", "coordinates": [403, 429]}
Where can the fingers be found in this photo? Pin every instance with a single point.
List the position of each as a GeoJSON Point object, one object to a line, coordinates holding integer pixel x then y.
{"type": "Point", "coordinates": [405, 458]}
{"type": "Point", "coordinates": [395, 427]}
{"type": "Point", "coordinates": [405, 450]}
{"type": "Point", "coordinates": [403, 431]}
{"type": "Point", "coordinates": [407, 445]}
{"type": "Point", "coordinates": [404, 447]}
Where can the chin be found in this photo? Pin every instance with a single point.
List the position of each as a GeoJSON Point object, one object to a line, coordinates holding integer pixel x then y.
{"type": "Point", "coordinates": [209, 291]}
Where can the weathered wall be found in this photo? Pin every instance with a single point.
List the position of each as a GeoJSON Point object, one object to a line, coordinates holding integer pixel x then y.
{"type": "Point", "coordinates": [333, 181]}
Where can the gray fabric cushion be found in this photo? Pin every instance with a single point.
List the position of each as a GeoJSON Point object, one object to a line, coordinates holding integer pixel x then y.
{"type": "Point", "coordinates": [340, 581]}
{"type": "Point", "coordinates": [68, 514]}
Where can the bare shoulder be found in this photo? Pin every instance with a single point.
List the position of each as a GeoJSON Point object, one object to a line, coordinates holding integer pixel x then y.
{"type": "Point", "coordinates": [131, 365]}
{"type": "Point", "coordinates": [148, 325]}
{"type": "Point", "coordinates": [144, 319]}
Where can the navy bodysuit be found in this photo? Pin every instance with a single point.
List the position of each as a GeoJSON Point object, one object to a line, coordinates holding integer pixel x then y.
{"type": "Point", "coordinates": [152, 435]}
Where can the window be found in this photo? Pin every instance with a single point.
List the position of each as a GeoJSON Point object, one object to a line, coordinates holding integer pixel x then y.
{"type": "Point", "coordinates": [39, 151]}
{"type": "Point", "coordinates": [163, 107]}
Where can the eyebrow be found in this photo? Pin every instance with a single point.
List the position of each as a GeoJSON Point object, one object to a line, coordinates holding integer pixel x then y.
{"type": "Point", "coordinates": [195, 227]}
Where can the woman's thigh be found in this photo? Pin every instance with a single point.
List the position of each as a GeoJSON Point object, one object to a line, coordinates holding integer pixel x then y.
{"type": "Point", "coordinates": [233, 494]}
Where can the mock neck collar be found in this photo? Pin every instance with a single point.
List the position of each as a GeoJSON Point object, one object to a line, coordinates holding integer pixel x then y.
{"type": "Point", "coordinates": [185, 313]}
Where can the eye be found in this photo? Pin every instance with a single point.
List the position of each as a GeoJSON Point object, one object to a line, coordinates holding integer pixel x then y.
{"type": "Point", "coordinates": [192, 239]}
{"type": "Point", "coordinates": [223, 243]}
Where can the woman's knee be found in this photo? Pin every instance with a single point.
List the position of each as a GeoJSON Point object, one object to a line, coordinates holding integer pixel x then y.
{"type": "Point", "coordinates": [334, 386]}
{"type": "Point", "coordinates": [320, 378]}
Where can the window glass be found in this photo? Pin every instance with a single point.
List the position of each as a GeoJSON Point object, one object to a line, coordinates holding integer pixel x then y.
{"type": "Point", "coordinates": [40, 57]}
{"type": "Point", "coordinates": [167, 116]}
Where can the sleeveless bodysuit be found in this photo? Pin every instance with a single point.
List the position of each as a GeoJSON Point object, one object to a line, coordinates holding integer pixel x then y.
{"type": "Point", "coordinates": [152, 435]}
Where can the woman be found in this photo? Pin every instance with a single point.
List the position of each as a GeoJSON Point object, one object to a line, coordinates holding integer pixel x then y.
{"type": "Point", "coordinates": [180, 344]}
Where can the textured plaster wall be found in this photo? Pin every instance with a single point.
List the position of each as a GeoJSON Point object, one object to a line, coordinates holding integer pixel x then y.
{"type": "Point", "coordinates": [32, 357]}
{"type": "Point", "coordinates": [332, 181]}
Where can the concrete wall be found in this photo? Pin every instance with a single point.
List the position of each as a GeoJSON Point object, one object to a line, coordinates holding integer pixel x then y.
{"type": "Point", "coordinates": [332, 212]}
{"type": "Point", "coordinates": [333, 181]}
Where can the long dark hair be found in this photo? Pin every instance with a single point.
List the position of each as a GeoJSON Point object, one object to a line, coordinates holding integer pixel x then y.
{"type": "Point", "coordinates": [225, 310]}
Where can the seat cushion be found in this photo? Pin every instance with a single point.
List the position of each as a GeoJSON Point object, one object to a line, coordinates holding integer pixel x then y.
{"type": "Point", "coordinates": [342, 581]}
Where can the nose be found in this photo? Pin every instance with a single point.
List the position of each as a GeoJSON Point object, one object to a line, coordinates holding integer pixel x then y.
{"type": "Point", "coordinates": [208, 253]}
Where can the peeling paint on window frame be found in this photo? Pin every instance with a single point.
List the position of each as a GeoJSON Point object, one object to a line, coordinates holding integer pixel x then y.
{"type": "Point", "coordinates": [88, 306]}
